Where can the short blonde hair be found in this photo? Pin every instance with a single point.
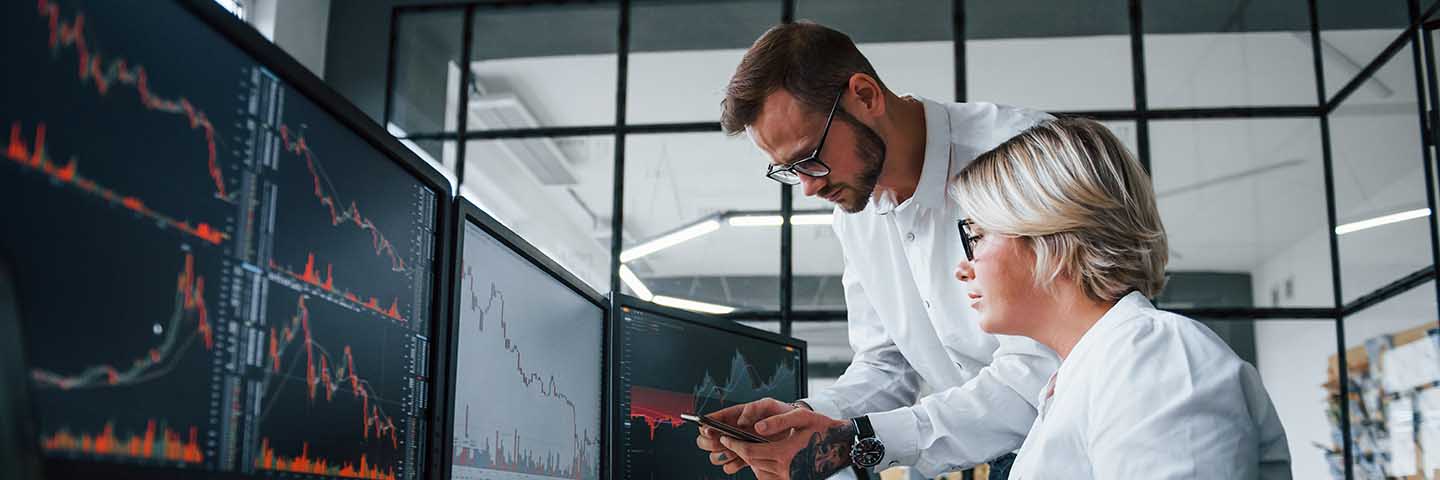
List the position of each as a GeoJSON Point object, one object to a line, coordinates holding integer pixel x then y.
{"type": "Point", "coordinates": [1080, 198]}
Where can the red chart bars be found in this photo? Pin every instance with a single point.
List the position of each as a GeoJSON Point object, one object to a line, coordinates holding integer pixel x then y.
{"type": "Point", "coordinates": [218, 275]}
{"type": "Point", "coordinates": [166, 444]}
{"type": "Point", "coordinates": [529, 349]}
{"type": "Point", "coordinates": [673, 366]}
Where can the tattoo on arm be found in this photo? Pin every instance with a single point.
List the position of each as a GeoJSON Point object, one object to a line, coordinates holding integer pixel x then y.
{"type": "Point", "coordinates": [827, 453]}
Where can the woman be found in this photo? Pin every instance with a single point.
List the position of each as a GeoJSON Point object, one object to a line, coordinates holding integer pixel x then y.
{"type": "Point", "coordinates": [1065, 246]}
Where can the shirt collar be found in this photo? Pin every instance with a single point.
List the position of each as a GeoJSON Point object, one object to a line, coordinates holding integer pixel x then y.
{"type": "Point", "coordinates": [1127, 308]}
{"type": "Point", "coordinates": [930, 192]}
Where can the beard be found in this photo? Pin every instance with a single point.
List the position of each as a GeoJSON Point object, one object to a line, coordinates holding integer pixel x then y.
{"type": "Point", "coordinates": [870, 149]}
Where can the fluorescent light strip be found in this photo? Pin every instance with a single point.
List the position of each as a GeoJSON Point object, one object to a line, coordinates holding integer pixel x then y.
{"type": "Point", "coordinates": [755, 221]}
{"type": "Point", "coordinates": [692, 305]}
{"type": "Point", "coordinates": [813, 219]}
{"type": "Point", "coordinates": [632, 281]}
{"type": "Point", "coordinates": [678, 237]}
{"type": "Point", "coordinates": [774, 220]}
{"type": "Point", "coordinates": [1382, 220]}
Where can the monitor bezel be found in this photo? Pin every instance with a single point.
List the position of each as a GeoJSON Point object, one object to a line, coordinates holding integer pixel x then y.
{"type": "Point", "coordinates": [467, 212]}
{"type": "Point", "coordinates": [619, 302]}
{"type": "Point", "coordinates": [300, 79]}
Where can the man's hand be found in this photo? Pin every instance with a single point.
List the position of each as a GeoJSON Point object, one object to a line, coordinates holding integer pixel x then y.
{"type": "Point", "coordinates": [744, 416]}
{"type": "Point", "coordinates": [804, 446]}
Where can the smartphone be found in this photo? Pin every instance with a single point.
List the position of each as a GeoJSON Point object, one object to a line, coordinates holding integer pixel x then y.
{"type": "Point", "coordinates": [724, 428]}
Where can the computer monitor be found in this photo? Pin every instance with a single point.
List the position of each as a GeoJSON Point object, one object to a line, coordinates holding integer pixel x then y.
{"type": "Point", "coordinates": [529, 361]}
{"type": "Point", "coordinates": [671, 362]}
{"type": "Point", "coordinates": [225, 269]}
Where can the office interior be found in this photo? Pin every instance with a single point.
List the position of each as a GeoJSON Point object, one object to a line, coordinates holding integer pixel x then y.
{"type": "Point", "coordinates": [1290, 142]}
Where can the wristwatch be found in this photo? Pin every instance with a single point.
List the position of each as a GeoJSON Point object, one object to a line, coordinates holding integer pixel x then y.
{"type": "Point", "coordinates": [868, 451]}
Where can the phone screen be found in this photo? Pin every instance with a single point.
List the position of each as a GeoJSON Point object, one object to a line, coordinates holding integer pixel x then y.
{"type": "Point", "coordinates": [726, 429]}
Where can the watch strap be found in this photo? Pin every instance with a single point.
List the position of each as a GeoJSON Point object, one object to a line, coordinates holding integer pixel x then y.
{"type": "Point", "coordinates": [863, 429]}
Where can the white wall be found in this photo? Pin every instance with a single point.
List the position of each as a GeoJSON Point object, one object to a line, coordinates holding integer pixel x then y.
{"type": "Point", "coordinates": [297, 26]}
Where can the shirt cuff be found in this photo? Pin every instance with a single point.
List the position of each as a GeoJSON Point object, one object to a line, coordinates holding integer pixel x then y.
{"type": "Point", "coordinates": [898, 429]}
{"type": "Point", "coordinates": [824, 406]}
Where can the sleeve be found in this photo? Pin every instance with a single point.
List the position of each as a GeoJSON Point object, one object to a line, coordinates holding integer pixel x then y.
{"type": "Point", "coordinates": [985, 418]}
{"type": "Point", "coordinates": [1174, 406]}
{"type": "Point", "coordinates": [879, 377]}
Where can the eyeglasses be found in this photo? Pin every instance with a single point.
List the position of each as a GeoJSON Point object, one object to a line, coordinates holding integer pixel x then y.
{"type": "Point", "coordinates": [968, 238]}
{"type": "Point", "coordinates": [810, 166]}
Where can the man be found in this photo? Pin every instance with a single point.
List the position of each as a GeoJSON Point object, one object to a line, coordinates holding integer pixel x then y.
{"type": "Point", "coordinates": [813, 103]}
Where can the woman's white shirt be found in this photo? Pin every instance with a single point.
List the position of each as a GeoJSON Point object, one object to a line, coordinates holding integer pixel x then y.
{"type": "Point", "coordinates": [1150, 394]}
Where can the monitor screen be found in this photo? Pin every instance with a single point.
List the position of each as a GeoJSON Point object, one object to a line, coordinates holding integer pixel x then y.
{"type": "Point", "coordinates": [219, 273]}
{"type": "Point", "coordinates": [528, 372]}
{"type": "Point", "coordinates": [673, 363]}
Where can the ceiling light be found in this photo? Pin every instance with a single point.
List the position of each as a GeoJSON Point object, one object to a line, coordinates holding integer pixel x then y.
{"type": "Point", "coordinates": [669, 240]}
{"type": "Point", "coordinates": [774, 220]}
{"type": "Point", "coordinates": [755, 221]}
{"type": "Point", "coordinates": [632, 281]}
{"type": "Point", "coordinates": [812, 219]}
{"type": "Point", "coordinates": [692, 305]}
{"type": "Point", "coordinates": [1382, 220]}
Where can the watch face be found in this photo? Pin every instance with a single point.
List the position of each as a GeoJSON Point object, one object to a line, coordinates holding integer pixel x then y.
{"type": "Point", "coordinates": [867, 452]}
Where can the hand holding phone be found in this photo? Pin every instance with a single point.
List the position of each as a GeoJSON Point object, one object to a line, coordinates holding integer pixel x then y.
{"type": "Point", "coordinates": [724, 428]}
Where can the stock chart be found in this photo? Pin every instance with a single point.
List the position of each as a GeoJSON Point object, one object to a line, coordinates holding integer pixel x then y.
{"type": "Point", "coordinates": [215, 273]}
{"type": "Point", "coordinates": [528, 371]}
{"type": "Point", "coordinates": [670, 367]}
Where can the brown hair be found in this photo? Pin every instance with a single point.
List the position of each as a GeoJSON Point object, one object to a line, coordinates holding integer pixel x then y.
{"type": "Point", "coordinates": [811, 61]}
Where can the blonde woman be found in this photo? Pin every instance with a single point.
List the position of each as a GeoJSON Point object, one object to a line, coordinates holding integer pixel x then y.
{"type": "Point", "coordinates": [1064, 245]}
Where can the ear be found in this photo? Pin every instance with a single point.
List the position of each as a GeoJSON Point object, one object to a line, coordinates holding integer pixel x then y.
{"type": "Point", "coordinates": [869, 97]}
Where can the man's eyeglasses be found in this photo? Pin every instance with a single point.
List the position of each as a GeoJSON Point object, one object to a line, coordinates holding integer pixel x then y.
{"type": "Point", "coordinates": [810, 166]}
{"type": "Point", "coordinates": [968, 238]}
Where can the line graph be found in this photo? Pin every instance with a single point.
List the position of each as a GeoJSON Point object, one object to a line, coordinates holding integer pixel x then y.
{"type": "Point", "coordinates": [159, 360]}
{"type": "Point", "coordinates": [656, 407]}
{"type": "Point", "coordinates": [515, 456]}
{"type": "Point", "coordinates": [324, 192]}
{"type": "Point", "coordinates": [670, 366]}
{"type": "Point", "coordinates": [324, 376]}
{"type": "Point", "coordinates": [36, 157]}
{"type": "Point", "coordinates": [743, 384]}
{"type": "Point", "coordinates": [117, 71]}
{"type": "Point", "coordinates": [311, 275]}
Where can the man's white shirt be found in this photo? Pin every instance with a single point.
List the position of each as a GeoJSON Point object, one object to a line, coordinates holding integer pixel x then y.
{"type": "Point", "coordinates": [910, 320]}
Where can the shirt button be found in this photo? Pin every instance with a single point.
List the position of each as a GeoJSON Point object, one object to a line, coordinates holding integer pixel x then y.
{"type": "Point", "coordinates": [910, 237]}
{"type": "Point", "coordinates": [927, 304]}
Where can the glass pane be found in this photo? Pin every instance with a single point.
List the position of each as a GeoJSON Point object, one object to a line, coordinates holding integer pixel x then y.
{"type": "Point", "coordinates": [554, 192]}
{"type": "Point", "coordinates": [567, 79]}
{"type": "Point", "coordinates": [427, 71]}
{"type": "Point", "coordinates": [683, 54]}
{"type": "Point", "coordinates": [1353, 33]}
{"type": "Point", "coordinates": [909, 47]}
{"type": "Point", "coordinates": [1016, 53]}
{"type": "Point", "coordinates": [766, 325]}
{"type": "Point", "coordinates": [1228, 53]}
{"type": "Point", "coordinates": [1126, 130]}
{"type": "Point", "coordinates": [828, 344]}
{"type": "Point", "coordinates": [1391, 350]}
{"type": "Point", "coordinates": [1380, 183]}
{"type": "Point", "coordinates": [696, 228]}
{"type": "Point", "coordinates": [439, 154]}
{"type": "Point", "coordinates": [817, 258]}
{"type": "Point", "coordinates": [1293, 359]}
{"type": "Point", "coordinates": [1246, 198]}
